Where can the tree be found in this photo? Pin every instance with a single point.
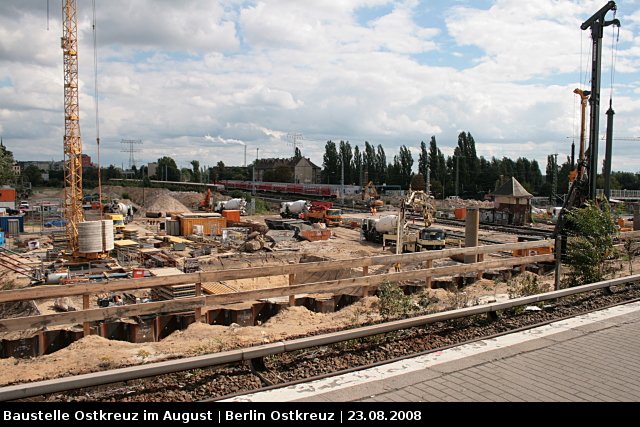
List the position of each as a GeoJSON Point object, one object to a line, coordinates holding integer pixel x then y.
{"type": "Point", "coordinates": [330, 163]}
{"type": "Point", "coordinates": [33, 175]}
{"type": "Point", "coordinates": [346, 156]}
{"type": "Point", "coordinates": [590, 233]}
{"type": "Point", "coordinates": [112, 172]}
{"type": "Point", "coordinates": [406, 164]}
{"type": "Point", "coordinates": [196, 175]}
{"type": "Point", "coordinates": [297, 153]}
{"type": "Point", "coordinates": [369, 163]}
{"type": "Point", "coordinates": [356, 167]}
{"type": "Point", "coordinates": [437, 167]}
{"type": "Point", "coordinates": [7, 176]}
{"type": "Point", "coordinates": [423, 159]}
{"type": "Point", "coordinates": [167, 170]}
{"type": "Point", "coordinates": [418, 183]}
{"type": "Point", "coordinates": [381, 165]}
{"type": "Point", "coordinates": [186, 175]}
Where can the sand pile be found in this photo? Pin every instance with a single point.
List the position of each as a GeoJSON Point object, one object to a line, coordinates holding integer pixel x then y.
{"type": "Point", "coordinates": [166, 203]}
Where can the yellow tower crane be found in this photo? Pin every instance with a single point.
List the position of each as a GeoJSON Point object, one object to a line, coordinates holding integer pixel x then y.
{"type": "Point", "coordinates": [72, 143]}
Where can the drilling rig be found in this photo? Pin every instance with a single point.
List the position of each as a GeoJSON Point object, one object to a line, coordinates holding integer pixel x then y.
{"type": "Point", "coordinates": [72, 143]}
{"type": "Point", "coordinates": [583, 187]}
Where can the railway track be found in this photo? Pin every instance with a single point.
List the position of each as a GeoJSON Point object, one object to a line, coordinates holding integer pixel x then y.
{"type": "Point", "coordinates": [308, 364]}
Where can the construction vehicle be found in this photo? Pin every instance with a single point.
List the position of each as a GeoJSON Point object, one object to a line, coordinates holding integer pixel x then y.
{"type": "Point", "coordinates": [371, 197]}
{"type": "Point", "coordinates": [206, 204]}
{"type": "Point", "coordinates": [393, 230]}
{"type": "Point", "coordinates": [232, 205]}
{"type": "Point", "coordinates": [323, 212]}
{"type": "Point", "coordinates": [583, 186]}
{"type": "Point", "coordinates": [431, 239]}
{"type": "Point", "coordinates": [116, 207]}
{"type": "Point", "coordinates": [118, 222]}
{"type": "Point", "coordinates": [293, 209]}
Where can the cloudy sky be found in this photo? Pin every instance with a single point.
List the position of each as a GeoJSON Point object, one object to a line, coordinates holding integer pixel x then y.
{"type": "Point", "coordinates": [203, 79]}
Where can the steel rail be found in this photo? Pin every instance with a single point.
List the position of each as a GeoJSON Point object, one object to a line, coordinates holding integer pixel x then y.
{"type": "Point", "coordinates": [412, 355]}
{"type": "Point", "coordinates": [19, 391]}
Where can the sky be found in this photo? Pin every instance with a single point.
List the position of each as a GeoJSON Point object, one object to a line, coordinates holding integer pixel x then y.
{"type": "Point", "coordinates": [212, 80]}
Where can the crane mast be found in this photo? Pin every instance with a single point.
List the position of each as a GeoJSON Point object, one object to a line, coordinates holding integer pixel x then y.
{"type": "Point", "coordinates": [72, 142]}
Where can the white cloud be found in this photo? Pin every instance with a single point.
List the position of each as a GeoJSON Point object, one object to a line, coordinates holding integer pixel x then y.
{"type": "Point", "coordinates": [252, 71]}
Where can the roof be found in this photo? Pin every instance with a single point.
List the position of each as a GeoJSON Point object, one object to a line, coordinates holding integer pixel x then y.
{"type": "Point", "coordinates": [512, 188]}
{"type": "Point", "coordinates": [291, 162]}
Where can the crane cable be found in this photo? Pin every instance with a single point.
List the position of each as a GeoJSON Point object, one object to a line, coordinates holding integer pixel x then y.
{"type": "Point", "coordinates": [95, 84]}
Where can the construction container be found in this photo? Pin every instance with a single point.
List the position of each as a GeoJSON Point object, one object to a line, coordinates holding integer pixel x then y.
{"type": "Point", "coordinates": [211, 225]}
{"type": "Point", "coordinates": [315, 235]}
{"type": "Point", "coordinates": [173, 227]}
{"type": "Point", "coordinates": [460, 213]}
{"type": "Point", "coordinates": [231, 215]}
{"type": "Point", "coordinates": [4, 224]}
{"type": "Point", "coordinates": [137, 273]}
{"type": "Point", "coordinates": [14, 227]}
{"type": "Point", "coordinates": [7, 198]}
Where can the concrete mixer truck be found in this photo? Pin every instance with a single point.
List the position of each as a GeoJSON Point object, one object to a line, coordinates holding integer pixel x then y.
{"type": "Point", "coordinates": [293, 209]}
{"type": "Point", "coordinates": [232, 205]}
{"type": "Point", "coordinates": [384, 230]}
{"type": "Point", "coordinates": [119, 208]}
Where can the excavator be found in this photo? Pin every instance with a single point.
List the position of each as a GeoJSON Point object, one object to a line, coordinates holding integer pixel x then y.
{"type": "Point", "coordinates": [371, 197]}
{"type": "Point", "coordinates": [206, 204]}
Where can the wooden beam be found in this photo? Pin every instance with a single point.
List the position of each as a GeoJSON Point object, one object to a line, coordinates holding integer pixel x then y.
{"type": "Point", "coordinates": [428, 279]}
{"type": "Point", "coordinates": [56, 291]}
{"type": "Point", "coordinates": [100, 314]}
{"type": "Point", "coordinates": [292, 297]}
{"type": "Point", "coordinates": [86, 328]}
{"type": "Point", "coordinates": [348, 285]}
{"type": "Point", "coordinates": [198, 310]}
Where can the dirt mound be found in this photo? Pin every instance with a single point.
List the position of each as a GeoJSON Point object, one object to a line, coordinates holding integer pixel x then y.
{"type": "Point", "coordinates": [166, 203]}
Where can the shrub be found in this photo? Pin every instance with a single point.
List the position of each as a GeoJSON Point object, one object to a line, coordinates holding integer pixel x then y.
{"type": "Point", "coordinates": [590, 233]}
{"type": "Point", "coordinates": [393, 301]}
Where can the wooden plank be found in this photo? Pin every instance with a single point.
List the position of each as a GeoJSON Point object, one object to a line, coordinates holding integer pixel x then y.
{"type": "Point", "coordinates": [56, 291]}
{"type": "Point", "coordinates": [351, 285]}
{"type": "Point", "coordinates": [342, 285]}
{"type": "Point", "coordinates": [106, 314]}
{"type": "Point", "coordinates": [292, 297]}
{"type": "Point", "coordinates": [365, 289]}
{"type": "Point", "coordinates": [429, 267]}
{"type": "Point", "coordinates": [198, 310]}
{"type": "Point", "coordinates": [86, 328]}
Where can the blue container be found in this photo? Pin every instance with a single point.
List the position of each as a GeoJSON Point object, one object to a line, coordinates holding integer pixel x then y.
{"type": "Point", "coordinates": [4, 223]}
{"type": "Point", "coordinates": [1, 238]}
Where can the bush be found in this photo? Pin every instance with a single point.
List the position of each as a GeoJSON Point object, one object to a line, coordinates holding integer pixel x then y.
{"type": "Point", "coordinates": [525, 286]}
{"type": "Point", "coordinates": [126, 196]}
{"type": "Point", "coordinates": [393, 301]}
{"type": "Point", "coordinates": [590, 233]}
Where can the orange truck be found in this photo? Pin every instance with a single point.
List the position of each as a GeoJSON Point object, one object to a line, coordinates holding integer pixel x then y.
{"type": "Point", "coordinates": [323, 212]}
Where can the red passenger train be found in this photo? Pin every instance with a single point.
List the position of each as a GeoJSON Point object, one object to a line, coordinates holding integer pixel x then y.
{"type": "Point", "coordinates": [318, 190]}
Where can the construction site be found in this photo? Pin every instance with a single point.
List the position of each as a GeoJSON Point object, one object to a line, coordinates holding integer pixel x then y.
{"type": "Point", "coordinates": [141, 274]}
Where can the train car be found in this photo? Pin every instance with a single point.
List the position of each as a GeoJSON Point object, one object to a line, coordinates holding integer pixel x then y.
{"type": "Point", "coordinates": [318, 190]}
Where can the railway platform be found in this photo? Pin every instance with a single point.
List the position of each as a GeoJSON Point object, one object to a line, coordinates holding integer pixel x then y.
{"type": "Point", "coordinates": [589, 358]}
